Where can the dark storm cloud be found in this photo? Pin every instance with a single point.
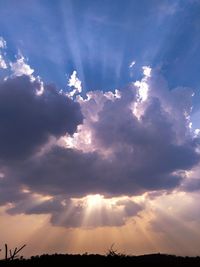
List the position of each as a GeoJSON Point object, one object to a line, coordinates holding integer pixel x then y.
{"type": "Point", "coordinates": [62, 171]}
{"type": "Point", "coordinates": [71, 172]}
{"type": "Point", "coordinates": [146, 155]}
{"type": "Point", "coordinates": [10, 191]}
{"type": "Point", "coordinates": [145, 158]}
{"type": "Point", "coordinates": [27, 120]}
{"type": "Point", "coordinates": [31, 205]}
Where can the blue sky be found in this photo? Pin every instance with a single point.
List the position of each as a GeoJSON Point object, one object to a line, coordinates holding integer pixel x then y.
{"type": "Point", "coordinates": [101, 38]}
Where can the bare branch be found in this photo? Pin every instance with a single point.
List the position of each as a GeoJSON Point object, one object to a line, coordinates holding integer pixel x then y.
{"type": "Point", "coordinates": [20, 249]}
{"type": "Point", "coordinates": [13, 254]}
{"type": "Point", "coordinates": [6, 251]}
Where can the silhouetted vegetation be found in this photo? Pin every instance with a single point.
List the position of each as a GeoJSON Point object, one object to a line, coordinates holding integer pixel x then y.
{"type": "Point", "coordinates": [12, 254]}
{"type": "Point", "coordinates": [111, 259]}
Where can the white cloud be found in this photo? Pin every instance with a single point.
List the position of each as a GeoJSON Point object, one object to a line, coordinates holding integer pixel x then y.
{"type": "Point", "coordinates": [197, 132]}
{"type": "Point", "coordinates": [20, 67]}
{"type": "Point", "coordinates": [84, 138]}
{"type": "Point", "coordinates": [2, 42]}
{"type": "Point", "coordinates": [143, 90]}
{"type": "Point", "coordinates": [40, 89]}
{"type": "Point", "coordinates": [147, 71]}
{"type": "Point", "coordinates": [132, 64]}
{"type": "Point", "coordinates": [75, 83]}
{"type": "Point", "coordinates": [3, 64]}
{"type": "Point", "coordinates": [151, 85]}
{"type": "Point", "coordinates": [143, 86]}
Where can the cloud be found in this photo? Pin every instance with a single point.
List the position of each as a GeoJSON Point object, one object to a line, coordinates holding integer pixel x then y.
{"type": "Point", "coordinates": [147, 71]}
{"type": "Point", "coordinates": [75, 83]}
{"type": "Point", "coordinates": [20, 67]}
{"type": "Point", "coordinates": [132, 64]}
{"type": "Point", "coordinates": [28, 119]}
{"type": "Point", "coordinates": [125, 142]}
{"type": "Point", "coordinates": [3, 64]}
{"type": "Point", "coordinates": [2, 42]}
{"type": "Point", "coordinates": [156, 154]}
{"type": "Point", "coordinates": [79, 212]}
{"type": "Point", "coordinates": [192, 185]}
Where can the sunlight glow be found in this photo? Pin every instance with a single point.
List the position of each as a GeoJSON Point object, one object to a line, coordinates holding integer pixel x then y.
{"type": "Point", "coordinates": [92, 201]}
{"type": "Point", "coordinates": [42, 198]}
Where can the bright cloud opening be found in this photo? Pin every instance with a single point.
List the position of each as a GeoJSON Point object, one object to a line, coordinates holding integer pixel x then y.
{"type": "Point", "coordinates": [75, 83]}
{"type": "Point", "coordinates": [142, 85]}
{"type": "Point", "coordinates": [94, 201]}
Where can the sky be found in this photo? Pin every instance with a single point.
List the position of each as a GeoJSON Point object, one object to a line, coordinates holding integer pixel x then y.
{"type": "Point", "coordinates": [99, 126]}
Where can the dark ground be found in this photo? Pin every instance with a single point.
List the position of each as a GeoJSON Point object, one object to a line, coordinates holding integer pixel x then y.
{"type": "Point", "coordinates": [59, 260]}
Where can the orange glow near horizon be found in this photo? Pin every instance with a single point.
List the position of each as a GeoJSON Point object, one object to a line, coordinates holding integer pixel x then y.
{"type": "Point", "coordinates": [158, 228]}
